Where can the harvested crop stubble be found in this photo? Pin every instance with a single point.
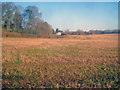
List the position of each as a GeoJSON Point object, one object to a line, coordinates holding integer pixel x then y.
{"type": "Point", "coordinates": [84, 61]}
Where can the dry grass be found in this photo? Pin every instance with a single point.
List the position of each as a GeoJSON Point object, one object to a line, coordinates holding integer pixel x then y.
{"type": "Point", "coordinates": [71, 61]}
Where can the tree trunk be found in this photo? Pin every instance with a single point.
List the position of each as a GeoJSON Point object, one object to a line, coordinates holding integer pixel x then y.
{"type": "Point", "coordinates": [8, 25]}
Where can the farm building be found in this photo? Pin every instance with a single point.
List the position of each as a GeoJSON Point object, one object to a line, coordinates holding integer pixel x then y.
{"type": "Point", "coordinates": [59, 33]}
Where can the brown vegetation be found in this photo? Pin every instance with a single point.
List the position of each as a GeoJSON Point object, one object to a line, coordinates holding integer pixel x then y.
{"type": "Point", "coordinates": [71, 61]}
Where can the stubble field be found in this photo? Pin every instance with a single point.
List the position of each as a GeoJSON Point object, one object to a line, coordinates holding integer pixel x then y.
{"type": "Point", "coordinates": [68, 62]}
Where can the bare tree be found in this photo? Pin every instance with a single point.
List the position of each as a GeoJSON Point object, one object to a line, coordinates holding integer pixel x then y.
{"type": "Point", "coordinates": [31, 13]}
{"type": "Point", "coordinates": [7, 13]}
{"type": "Point", "coordinates": [17, 19]}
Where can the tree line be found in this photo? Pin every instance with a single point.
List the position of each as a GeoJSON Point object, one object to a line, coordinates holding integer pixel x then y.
{"type": "Point", "coordinates": [28, 20]}
{"type": "Point", "coordinates": [81, 32]}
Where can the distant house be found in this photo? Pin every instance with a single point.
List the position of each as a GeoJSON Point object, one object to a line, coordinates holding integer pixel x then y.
{"type": "Point", "coordinates": [59, 33]}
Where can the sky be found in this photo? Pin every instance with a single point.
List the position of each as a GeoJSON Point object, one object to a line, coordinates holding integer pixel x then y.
{"type": "Point", "coordinates": [78, 15]}
{"type": "Point", "coordinates": [60, 0]}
